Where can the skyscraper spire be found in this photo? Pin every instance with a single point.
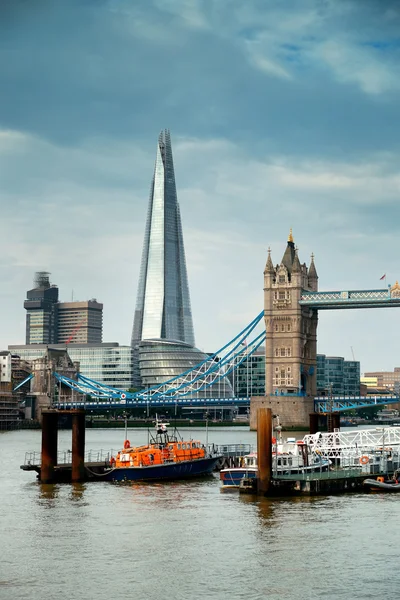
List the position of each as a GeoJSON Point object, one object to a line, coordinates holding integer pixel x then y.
{"type": "Point", "coordinates": [163, 302]}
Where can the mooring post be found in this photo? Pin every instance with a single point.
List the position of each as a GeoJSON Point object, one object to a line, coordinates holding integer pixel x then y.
{"type": "Point", "coordinates": [78, 445]}
{"type": "Point", "coordinates": [49, 445]}
{"type": "Point", "coordinates": [313, 423]}
{"type": "Point", "coordinates": [264, 449]}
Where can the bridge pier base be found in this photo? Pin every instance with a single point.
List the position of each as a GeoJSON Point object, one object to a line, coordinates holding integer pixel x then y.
{"type": "Point", "coordinates": [294, 411]}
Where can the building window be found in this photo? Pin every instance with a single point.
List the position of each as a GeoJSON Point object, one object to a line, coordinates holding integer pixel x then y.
{"type": "Point", "coordinates": [289, 327]}
{"type": "Point", "coordinates": [282, 279]}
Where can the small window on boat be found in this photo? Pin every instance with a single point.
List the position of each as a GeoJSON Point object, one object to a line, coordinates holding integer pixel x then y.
{"type": "Point", "coordinates": [183, 446]}
{"type": "Point", "coordinates": [178, 446]}
{"type": "Point", "coordinates": [289, 460]}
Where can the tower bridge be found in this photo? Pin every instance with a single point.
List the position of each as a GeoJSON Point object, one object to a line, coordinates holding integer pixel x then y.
{"type": "Point", "coordinates": [291, 305]}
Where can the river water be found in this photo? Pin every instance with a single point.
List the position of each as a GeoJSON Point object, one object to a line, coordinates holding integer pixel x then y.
{"type": "Point", "coordinates": [186, 540]}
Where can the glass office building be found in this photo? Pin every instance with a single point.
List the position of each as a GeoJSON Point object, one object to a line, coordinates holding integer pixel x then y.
{"type": "Point", "coordinates": [107, 363]}
{"type": "Point", "coordinates": [41, 311]}
{"type": "Point", "coordinates": [336, 375]}
{"type": "Point", "coordinates": [163, 302]}
{"type": "Point", "coordinates": [249, 377]}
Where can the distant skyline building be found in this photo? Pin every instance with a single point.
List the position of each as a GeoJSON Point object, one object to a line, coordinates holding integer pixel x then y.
{"type": "Point", "coordinates": [163, 302]}
{"type": "Point", "coordinates": [80, 322]}
{"type": "Point", "coordinates": [108, 363]}
{"type": "Point", "coordinates": [49, 321]}
{"type": "Point", "coordinates": [41, 311]}
{"type": "Point", "coordinates": [337, 376]}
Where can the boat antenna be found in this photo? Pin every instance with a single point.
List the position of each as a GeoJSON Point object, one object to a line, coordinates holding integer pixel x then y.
{"type": "Point", "coordinates": [126, 425]}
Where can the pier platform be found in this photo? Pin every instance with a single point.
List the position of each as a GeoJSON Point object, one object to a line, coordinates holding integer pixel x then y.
{"type": "Point", "coordinates": [327, 483]}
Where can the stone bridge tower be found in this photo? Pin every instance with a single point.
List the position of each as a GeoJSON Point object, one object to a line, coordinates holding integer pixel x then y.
{"type": "Point", "coordinates": [291, 339]}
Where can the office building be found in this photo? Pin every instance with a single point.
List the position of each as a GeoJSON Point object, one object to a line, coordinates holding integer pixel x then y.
{"type": "Point", "coordinates": [337, 376]}
{"type": "Point", "coordinates": [41, 311]}
{"type": "Point", "coordinates": [9, 412]}
{"type": "Point", "coordinates": [385, 380]}
{"type": "Point", "coordinates": [163, 302]}
{"type": "Point", "coordinates": [107, 363]}
{"type": "Point", "coordinates": [249, 377]}
{"type": "Point", "coordinates": [163, 325]}
{"type": "Point", "coordinates": [49, 321]}
{"type": "Point", "coordinates": [80, 322]}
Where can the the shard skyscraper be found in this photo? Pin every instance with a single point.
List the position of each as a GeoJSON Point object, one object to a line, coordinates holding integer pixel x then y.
{"type": "Point", "coordinates": [163, 302]}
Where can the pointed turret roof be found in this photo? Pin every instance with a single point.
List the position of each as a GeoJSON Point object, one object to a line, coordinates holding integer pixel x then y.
{"type": "Point", "coordinates": [312, 271]}
{"type": "Point", "coordinates": [269, 267]}
{"type": "Point", "coordinates": [296, 267]}
{"type": "Point", "coordinates": [290, 252]}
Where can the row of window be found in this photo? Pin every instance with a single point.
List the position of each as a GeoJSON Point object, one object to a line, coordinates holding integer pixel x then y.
{"type": "Point", "coordinates": [283, 327]}
{"type": "Point", "coordinates": [283, 351]}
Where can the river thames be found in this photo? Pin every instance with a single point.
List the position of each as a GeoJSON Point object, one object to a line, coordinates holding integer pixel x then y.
{"type": "Point", "coordinates": [186, 540]}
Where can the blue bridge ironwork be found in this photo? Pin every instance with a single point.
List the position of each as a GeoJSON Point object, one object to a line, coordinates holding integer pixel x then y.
{"type": "Point", "coordinates": [328, 405]}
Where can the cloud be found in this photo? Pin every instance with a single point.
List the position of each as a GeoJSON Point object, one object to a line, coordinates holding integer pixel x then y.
{"type": "Point", "coordinates": [280, 116]}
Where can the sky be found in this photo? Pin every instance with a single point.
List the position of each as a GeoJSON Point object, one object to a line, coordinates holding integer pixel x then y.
{"type": "Point", "coordinates": [282, 114]}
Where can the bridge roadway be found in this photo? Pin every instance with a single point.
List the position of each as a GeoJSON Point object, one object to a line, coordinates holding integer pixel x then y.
{"type": "Point", "coordinates": [322, 405]}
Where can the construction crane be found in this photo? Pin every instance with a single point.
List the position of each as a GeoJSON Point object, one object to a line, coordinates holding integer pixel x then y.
{"type": "Point", "coordinates": [352, 351]}
{"type": "Point", "coordinates": [77, 328]}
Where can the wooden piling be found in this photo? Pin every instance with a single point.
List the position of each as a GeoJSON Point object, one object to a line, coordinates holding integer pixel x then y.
{"type": "Point", "coordinates": [49, 445]}
{"type": "Point", "coordinates": [264, 449]}
{"type": "Point", "coordinates": [333, 422]}
{"type": "Point", "coordinates": [78, 445]}
{"type": "Point", "coordinates": [313, 423]}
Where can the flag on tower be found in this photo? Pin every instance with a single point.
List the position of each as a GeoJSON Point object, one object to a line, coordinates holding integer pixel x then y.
{"type": "Point", "coordinates": [383, 277]}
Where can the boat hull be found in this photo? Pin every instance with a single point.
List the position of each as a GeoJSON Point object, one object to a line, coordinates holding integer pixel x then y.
{"type": "Point", "coordinates": [381, 486]}
{"type": "Point", "coordinates": [166, 471]}
{"type": "Point", "coordinates": [231, 478]}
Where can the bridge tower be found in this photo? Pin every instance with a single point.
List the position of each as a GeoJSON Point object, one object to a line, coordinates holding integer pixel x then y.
{"type": "Point", "coordinates": [291, 339]}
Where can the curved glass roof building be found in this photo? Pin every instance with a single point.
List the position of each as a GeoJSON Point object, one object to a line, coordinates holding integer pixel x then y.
{"type": "Point", "coordinates": [161, 360]}
{"type": "Point", "coordinates": [163, 302]}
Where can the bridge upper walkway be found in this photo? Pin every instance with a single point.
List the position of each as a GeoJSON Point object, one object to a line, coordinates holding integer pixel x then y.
{"type": "Point", "coordinates": [350, 299]}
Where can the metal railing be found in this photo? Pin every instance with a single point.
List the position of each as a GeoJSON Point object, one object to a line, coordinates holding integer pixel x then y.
{"type": "Point", "coordinates": [65, 457]}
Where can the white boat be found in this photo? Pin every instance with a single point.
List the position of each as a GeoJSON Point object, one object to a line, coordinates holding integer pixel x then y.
{"type": "Point", "coordinates": [369, 450]}
{"type": "Point", "coordinates": [289, 457]}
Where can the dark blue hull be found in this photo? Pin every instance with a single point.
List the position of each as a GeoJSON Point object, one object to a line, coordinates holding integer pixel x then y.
{"type": "Point", "coordinates": [168, 471]}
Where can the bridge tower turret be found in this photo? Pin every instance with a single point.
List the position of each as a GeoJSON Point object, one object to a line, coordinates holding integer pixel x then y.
{"type": "Point", "coordinates": [291, 338]}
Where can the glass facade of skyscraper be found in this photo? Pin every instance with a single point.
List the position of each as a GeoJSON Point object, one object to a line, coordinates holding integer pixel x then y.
{"type": "Point", "coordinates": [163, 303]}
{"type": "Point", "coordinates": [337, 376]}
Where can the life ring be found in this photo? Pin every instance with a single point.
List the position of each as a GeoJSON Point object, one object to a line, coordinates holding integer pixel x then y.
{"type": "Point", "coordinates": [127, 444]}
{"type": "Point", "coordinates": [364, 460]}
{"type": "Point", "coordinates": [123, 396]}
{"type": "Point", "coordinates": [273, 440]}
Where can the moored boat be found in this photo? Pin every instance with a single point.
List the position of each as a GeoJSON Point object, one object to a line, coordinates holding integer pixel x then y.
{"type": "Point", "coordinates": [380, 484]}
{"type": "Point", "coordinates": [166, 457]}
{"type": "Point", "coordinates": [288, 458]}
